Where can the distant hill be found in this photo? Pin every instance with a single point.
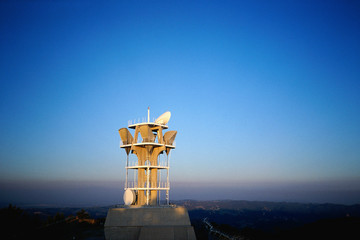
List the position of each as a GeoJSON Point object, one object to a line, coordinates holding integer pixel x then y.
{"type": "Point", "coordinates": [267, 220]}
{"type": "Point", "coordinates": [241, 219]}
{"type": "Point", "coordinates": [52, 223]}
{"type": "Point", "coordinates": [268, 206]}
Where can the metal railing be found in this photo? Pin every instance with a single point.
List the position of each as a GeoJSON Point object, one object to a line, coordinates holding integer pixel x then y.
{"type": "Point", "coordinates": [141, 141]}
{"type": "Point", "coordinates": [141, 120]}
{"type": "Point", "coordinates": [135, 165]}
{"type": "Point", "coordinates": [158, 185]}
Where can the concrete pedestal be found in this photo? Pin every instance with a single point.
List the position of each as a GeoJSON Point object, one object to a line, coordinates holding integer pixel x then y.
{"type": "Point", "coordinates": [142, 223]}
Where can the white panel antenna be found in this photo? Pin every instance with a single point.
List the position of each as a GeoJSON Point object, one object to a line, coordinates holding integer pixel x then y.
{"type": "Point", "coordinates": [164, 118]}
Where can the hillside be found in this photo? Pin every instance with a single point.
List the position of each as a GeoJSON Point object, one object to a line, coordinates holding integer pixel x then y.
{"type": "Point", "coordinates": [239, 219]}
{"type": "Point", "coordinates": [273, 220]}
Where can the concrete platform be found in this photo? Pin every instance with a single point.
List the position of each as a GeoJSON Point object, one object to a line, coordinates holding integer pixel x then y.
{"type": "Point", "coordinates": [142, 223]}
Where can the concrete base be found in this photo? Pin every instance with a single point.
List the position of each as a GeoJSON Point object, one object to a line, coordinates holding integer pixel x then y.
{"type": "Point", "coordinates": [142, 223]}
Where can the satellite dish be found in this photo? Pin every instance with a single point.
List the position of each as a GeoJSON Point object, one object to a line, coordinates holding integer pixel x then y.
{"type": "Point", "coordinates": [129, 197]}
{"type": "Point", "coordinates": [164, 118]}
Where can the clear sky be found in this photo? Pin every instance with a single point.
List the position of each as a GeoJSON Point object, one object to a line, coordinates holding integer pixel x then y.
{"type": "Point", "coordinates": [265, 95]}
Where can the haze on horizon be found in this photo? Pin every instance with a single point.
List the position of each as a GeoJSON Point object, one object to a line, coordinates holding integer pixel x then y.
{"type": "Point", "coordinates": [264, 96]}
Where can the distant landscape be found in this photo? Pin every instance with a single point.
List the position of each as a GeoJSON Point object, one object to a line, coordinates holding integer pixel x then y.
{"type": "Point", "coordinates": [236, 219]}
{"type": "Point", "coordinates": [274, 220]}
{"type": "Point", "coordinates": [263, 97]}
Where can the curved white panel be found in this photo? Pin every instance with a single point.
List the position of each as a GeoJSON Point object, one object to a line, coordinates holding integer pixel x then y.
{"type": "Point", "coordinates": [164, 118]}
{"type": "Point", "coordinates": [129, 197]}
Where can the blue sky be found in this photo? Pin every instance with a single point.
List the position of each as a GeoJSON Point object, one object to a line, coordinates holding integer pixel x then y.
{"type": "Point", "coordinates": [261, 93]}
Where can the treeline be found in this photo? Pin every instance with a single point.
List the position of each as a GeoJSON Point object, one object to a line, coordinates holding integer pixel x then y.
{"type": "Point", "coordinates": [269, 220]}
{"type": "Point", "coordinates": [18, 223]}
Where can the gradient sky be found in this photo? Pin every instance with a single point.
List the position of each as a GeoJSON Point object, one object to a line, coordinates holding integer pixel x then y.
{"type": "Point", "coordinates": [262, 93]}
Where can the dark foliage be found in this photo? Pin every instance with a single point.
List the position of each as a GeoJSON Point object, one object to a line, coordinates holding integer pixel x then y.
{"type": "Point", "coordinates": [47, 224]}
{"type": "Point", "coordinates": [82, 214]}
{"type": "Point", "coordinates": [241, 219]}
{"type": "Point", "coordinates": [17, 224]}
{"type": "Point", "coordinates": [269, 220]}
{"type": "Point", "coordinates": [339, 228]}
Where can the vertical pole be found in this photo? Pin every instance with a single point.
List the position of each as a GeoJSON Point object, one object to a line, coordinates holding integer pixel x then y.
{"type": "Point", "coordinates": [167, 180]}
{"type": "Point", "coordinates": [127, 165]}
{"type": "Point", "coordinates": [134, 178]}
{"type": "Point", "coordinates": [147, 184]}
{"type": "Point", "coordinates": [169, 174]}
{"type": "Point", "coordinates": [159, 182]}
{"type": "Point", "coordinates": [148, 114]}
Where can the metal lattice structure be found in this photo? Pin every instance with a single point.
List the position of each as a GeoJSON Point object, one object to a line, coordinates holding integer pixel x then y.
{"type": "Point", "coordinates": [147, 168]}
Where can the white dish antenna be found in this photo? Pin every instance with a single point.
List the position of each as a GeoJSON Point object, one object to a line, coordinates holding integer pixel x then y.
{"type": "Point", "coordinates": [129, 197]}
{"type": "Point", "coordinates": [164, 118]}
